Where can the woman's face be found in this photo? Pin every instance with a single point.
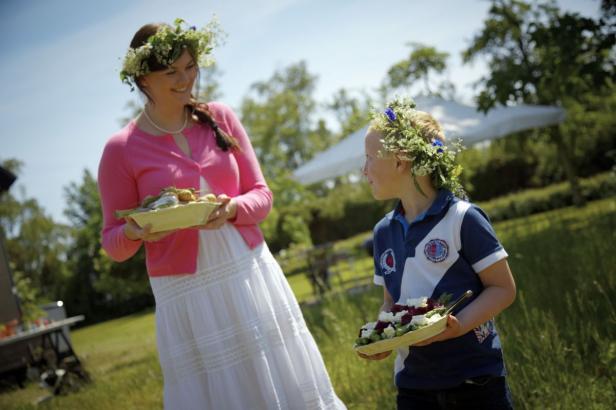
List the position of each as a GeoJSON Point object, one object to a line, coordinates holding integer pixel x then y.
{"type": "Point", "coordinates": [174, 84]}
{"type": "Point", "coordinates": [382, 172]}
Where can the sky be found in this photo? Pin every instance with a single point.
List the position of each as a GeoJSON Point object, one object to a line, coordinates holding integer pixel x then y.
{"type": "Point", "coordinates": [62, 97]}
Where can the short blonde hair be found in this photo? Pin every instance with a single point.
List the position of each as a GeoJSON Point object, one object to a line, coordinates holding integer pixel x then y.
{"type": "Point", "coordinates": [429, 127]}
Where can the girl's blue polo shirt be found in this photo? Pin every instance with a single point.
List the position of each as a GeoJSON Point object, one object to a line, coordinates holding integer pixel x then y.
{"type": "Point", "coordinates": [441, 251]}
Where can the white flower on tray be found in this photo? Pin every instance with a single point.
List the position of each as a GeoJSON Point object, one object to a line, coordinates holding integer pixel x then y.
{"type": "Point", "coordinates": [367, 329]}
{"type": "Point", "coordinates": [417, 302]}
{"type": "Point", "coordinates": [389, 332]}
{"type": "Point", "coordinates": [401, 319]}
{"type": "Point", "coordinates": [419, 320]}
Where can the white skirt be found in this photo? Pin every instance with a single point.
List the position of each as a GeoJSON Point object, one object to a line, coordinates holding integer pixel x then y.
{"type": "Point", "coordinates": [232, 336]}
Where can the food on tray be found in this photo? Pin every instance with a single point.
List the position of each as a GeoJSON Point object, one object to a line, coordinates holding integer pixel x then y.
{"type": "Point", "coordinates": [417, 313]}
{"type": "Point", "coordinates": [406, 325]}
{"type": "Point", "coordinates": [167, 197]}
{"type": "Point", "coordinates": [172, 208]}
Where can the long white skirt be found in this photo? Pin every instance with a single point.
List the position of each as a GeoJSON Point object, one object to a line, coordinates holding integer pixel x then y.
{"type": "Point", "coordinates": [232, 336]}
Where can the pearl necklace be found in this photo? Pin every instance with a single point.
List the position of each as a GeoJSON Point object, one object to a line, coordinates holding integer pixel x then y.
{"type": "Point", "coordinates": [166, 131]}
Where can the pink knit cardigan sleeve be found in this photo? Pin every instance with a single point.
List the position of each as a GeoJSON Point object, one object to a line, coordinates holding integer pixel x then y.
{"type": "Point", "coordinates": [118, 190]}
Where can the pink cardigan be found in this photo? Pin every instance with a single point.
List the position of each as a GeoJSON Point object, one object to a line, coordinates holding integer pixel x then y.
{"type": "Point", "coordinates": [135, 164]}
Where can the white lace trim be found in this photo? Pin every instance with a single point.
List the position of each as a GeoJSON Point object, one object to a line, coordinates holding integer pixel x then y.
{"type": "Point", "coordinates": [167, 291]}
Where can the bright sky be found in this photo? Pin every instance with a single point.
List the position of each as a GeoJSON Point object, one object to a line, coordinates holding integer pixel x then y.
{"type": "Point", "coordinates": [62, 97]}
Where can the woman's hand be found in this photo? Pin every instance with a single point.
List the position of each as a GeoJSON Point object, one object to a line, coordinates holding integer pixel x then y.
{"type": "Point", "coordinates": [378, 356]}
{"type": "Point", "coordinates": [226, 211]}
{"type": "Point", "coordinates": [452, 330]}
{"type": "Point", "coordinates": [134, 232]}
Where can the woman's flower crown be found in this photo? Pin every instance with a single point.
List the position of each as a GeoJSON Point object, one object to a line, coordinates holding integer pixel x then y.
{"type": "Point", "coordinates": [167, 45]}
{"type": "Point", "coordinates": [405, 135]}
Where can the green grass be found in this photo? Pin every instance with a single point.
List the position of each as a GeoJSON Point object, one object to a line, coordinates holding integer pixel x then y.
{"type": "Point", "coordinates": [559, 337]}
{"type": "Point", "coordinates": [120, 356]}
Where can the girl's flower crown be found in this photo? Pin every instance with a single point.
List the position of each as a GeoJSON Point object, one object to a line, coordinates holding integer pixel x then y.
{"type": "Point", "coordinates": [405, 135]}
{"type": "Point", "coordinates": [167, 45]}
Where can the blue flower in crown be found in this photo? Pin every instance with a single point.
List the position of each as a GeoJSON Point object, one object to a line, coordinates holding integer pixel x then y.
{"type": "Point", "coordinates": [438, 143]}
{"type": "Point", "coordinates": [390, 114]}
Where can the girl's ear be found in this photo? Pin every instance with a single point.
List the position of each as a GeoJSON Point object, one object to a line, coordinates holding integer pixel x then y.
{"type": "Point", "coordinates": [402, 165]}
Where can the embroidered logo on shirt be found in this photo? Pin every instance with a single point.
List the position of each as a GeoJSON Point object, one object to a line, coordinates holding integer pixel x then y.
{"type": "Point", "coordinates": [388, 262]}
{"type": "Point", "coordinates": [436, 250]}
{"type": "Point", "coordinates": [484, 331]}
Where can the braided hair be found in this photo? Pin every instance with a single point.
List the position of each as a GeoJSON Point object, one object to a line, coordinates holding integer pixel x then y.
{"type": "Point", "coordinates": [202, 114]}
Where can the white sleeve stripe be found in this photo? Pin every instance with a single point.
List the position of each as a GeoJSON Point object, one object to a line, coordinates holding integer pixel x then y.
{"type": "Point", "coordinates": [489, 260]}
{"type": "Point", "coordinates": [378, 280]}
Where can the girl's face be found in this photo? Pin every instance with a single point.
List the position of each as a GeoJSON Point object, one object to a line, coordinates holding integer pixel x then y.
{"type": "Point", "coordinates": [174, 84]}
{"type": "Point", "coordinates": [383, 172]}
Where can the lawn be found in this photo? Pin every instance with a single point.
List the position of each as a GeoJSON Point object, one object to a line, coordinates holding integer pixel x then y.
{"type": "Point", "coordinates": [559, 337]}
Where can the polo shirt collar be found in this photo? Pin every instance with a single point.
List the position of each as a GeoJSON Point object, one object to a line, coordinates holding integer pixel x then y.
{"type": "Point", "coordinates": [442, 200]}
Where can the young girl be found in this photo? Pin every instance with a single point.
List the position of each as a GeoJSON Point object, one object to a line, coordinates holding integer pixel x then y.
{"type": "Point", "coordinates": [434, 242]}
{"type": "Point", "coordinates": [230, 333]}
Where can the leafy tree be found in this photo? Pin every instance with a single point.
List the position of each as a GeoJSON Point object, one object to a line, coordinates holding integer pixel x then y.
{"type": "Point", "coordinates": [279, 115]}
{"type": "Point", "coordinates": [351, 112]}
{"type": "Point", "coordinates": [539, 55]}
{"type": "Point", "coordinates": [36, 245]}
{"type": "Point", "coordinates": [608, 8]}
{"type": "Point", "coordinates": [83, 211]}
{"type": "Point", "coordinates": [422, 62]}
{"type": "Point", "coordinates": [208, 86]}
{"type": "Point", "coordinates": [98, 287]}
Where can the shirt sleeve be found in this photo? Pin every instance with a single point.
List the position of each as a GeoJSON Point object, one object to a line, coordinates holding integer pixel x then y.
{"type": "Point", "coordinates": [118, 190]}
{"type": "Point", "coordinates": [480, 246]}
{"type": "Point", "coordinates": [255, 200]}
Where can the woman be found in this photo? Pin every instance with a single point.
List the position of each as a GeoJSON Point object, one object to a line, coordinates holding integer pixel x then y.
{"type": "Point", "coordinates": [229, 331]}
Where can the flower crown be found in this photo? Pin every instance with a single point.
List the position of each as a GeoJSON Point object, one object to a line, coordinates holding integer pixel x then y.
{"type": "Point", "coordinates": [167, 45]}
{"type": "Point", "coordinates": [404, 136]}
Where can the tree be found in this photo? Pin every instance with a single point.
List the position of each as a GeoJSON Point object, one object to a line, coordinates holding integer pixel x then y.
{"type": "Point", "coordinates": [208, 86]}
{"type": "Point", "coordinates": [98, 287]}
{"type": "Point", "coordinates": [280, 118]}
{"type": "Point", "coordinates": [36, 245]}
{"type": "Point", "coordinates": [422, 62]}
{"type": "Point", "coordinates": [351, 112]}
{"type": "Point", "coordinates": [540, 55]}
{"type": "Point", "coordinates": [608, 8]}
{"type": "Point", "coordinates": [83, 211]}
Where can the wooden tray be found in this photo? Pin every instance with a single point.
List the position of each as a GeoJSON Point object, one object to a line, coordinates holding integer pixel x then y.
{"type": "Point", "coordinates": [407, 339]}
{"type": "Point", "coordinates": [176, 217]}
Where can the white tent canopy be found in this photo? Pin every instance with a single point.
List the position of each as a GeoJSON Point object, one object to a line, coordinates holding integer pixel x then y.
{"type": "Point", "coordinates": [458, 121]}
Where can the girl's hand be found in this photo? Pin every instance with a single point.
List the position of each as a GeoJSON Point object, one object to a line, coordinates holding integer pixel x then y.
{"type": "Point", "coordinates": [378, 356]}
{"type": "Point", "coordinates": [134, 232]}
{"type": "Point", "coordinates": [225, 211]}
{"type": "Point", "coordinates": [452, 330]}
